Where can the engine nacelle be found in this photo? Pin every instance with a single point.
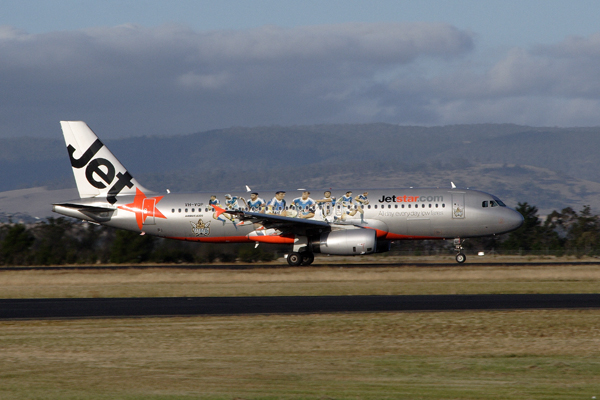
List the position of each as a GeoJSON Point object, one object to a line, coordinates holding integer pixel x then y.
{"type": "Point", "coordinates": [346, 242]}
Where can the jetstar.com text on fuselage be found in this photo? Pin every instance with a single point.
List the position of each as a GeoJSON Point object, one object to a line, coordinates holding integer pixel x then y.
{"type": "Point", "coordinates": [410, 199]}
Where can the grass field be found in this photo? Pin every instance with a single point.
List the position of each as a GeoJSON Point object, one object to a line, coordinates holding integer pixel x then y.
{"type": "Point", "coordinates": [452, 355]}
{"type": "Point", "coordinates": [552, 278]}
{"type": "Point", "coordinates": [538, 354]}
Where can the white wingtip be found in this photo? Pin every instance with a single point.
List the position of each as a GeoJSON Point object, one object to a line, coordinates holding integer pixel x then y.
{"type": "Point", "coordinates": [453, 185]}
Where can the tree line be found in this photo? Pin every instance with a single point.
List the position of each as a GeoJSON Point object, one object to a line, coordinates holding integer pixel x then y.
{"type": "Point", "coordinates": [57, 241]}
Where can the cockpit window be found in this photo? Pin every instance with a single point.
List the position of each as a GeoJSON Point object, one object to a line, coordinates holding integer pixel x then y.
{"type": "Point", "coordinates": [484, 203]}
{"type": "Point", "coordinates": [500, 203]}
{"type": "Point", "coordinates": [493, 203]}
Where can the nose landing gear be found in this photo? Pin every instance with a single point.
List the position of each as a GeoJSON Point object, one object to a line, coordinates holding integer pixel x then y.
{"type": "Point", "coordinates": [460, 256]}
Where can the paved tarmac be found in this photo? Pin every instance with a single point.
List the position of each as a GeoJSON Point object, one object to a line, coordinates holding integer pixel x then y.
{"type": "Point", "coordinates": [317, 264]}
{"type": "Point", "coordinates": [188, 306]}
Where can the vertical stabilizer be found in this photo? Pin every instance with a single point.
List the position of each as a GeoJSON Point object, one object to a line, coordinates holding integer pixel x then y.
{"type": "Point", "coordinates": [97, 171]}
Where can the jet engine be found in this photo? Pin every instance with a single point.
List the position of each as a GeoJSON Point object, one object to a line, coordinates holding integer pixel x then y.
{"type": "Point", "coordinates": [346, 242]}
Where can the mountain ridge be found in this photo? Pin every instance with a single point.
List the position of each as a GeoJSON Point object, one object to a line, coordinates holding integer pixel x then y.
{"type": "Point", "coordinates": [546, 166]}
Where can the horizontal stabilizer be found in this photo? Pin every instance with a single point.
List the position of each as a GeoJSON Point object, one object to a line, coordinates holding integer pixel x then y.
{"type": "Point", "coordinates": [84, 207]}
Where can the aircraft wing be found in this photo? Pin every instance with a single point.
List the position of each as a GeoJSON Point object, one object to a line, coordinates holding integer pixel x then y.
{"type": "Point", "coordinates": [298, 226]}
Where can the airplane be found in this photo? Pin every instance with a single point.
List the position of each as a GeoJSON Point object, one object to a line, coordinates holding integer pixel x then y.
{"type": "Point", "coordinates": [334, 222]}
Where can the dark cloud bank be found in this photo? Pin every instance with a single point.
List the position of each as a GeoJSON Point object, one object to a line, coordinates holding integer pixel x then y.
{"type": "Point", "coordinates": [132, 80]}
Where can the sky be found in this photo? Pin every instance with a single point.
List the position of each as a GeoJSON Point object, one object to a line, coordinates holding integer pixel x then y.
{"type": "Point", "coordinates": [135, 68]}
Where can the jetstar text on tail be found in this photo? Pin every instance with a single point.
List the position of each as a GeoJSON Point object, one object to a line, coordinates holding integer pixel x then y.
{"type": "Point", "coordinates": [93, 170]}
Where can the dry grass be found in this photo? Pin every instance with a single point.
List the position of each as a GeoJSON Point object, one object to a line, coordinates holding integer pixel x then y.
{"type": "Point", "coordinates": [539, 354]}
{"type": "Point", "coordinates": [452, 355]}
{"type": "Point", "coordinates": [552, 278]}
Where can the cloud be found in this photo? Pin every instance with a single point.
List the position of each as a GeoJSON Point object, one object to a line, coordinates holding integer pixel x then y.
{"type": "Point", "coordinates": [557, 84]}
{"type": "Point", "coordinates": [131, 80]}
{"type": "Point", "coordinates": [152, 80]}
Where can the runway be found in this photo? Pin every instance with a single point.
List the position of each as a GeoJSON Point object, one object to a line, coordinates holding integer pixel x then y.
{"type": "Point", "coordinates": [318, 264]}
{"type": "Point", "coordinates": [190, 306]}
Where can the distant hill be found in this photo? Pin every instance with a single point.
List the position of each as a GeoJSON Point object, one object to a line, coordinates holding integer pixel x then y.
{"type": "Point", "coordinates": [548, 167]}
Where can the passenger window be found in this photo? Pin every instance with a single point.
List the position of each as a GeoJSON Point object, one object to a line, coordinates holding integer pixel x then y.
{"type": "Point", "coordinates": [172, 210]}
{"type": "Point", "coordinates": [193, 210]}
{"type": "Point", "coordinates": [484, 203]}
{"type": "Point", "coordinates": [429, 205]}
{"type": "Point", "coordinates": [375, 206]}
{"type": "Point", "coordinates": [443, 205]}
{"type": "Point", "coordinates": [179, 210]}
{"type": "Point", "coordinates": [389, 206]}
{"type": "Point", "coordinates": [395, 205]}
{"type": "Point", "coordinates": [369, 206]}
{"type": "Point", "coordinates": [409, 206]}
{"type": "Point", "coordinates": [402, 205]}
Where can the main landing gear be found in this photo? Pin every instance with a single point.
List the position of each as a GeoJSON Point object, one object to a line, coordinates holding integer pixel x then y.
{"type": "Point", "coordinates": [295, 259]}
{"type": "Point", "coordinates": [460, 256]}
{"type": "Point", "coordinates": [300, 254]}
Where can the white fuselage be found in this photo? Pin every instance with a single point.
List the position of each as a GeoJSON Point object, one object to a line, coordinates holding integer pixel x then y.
{"type": "Point", "coordinates": [404, 213]}
{"type": "Point", "coordinates": [343, 222]}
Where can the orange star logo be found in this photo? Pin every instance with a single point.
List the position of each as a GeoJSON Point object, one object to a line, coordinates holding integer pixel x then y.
{"type": "Point", "coordinates": [143, 207]}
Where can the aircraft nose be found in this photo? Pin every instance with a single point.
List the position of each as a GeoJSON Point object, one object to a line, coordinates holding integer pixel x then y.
{"type": "Point", "coordinates": [514, 220]}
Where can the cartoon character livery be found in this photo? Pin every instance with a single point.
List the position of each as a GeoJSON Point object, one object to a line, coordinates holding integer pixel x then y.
{"type": "Point", "coordinates": [110, 196]}
{"type": "Point", "coordinates": [304, 205]}
{"type": "Point", "coordinates": [277, 204]}
{"type": "Point", "coordinates": [255, 203]}
{"type": "Point", "coordinates": [326, 205]}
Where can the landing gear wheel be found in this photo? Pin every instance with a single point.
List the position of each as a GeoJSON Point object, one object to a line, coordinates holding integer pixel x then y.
{"type": "Point", "coordinates": [294, 259]}
{"type": "Point", "coordinates": [460, 256]}
{"type": "Point", "coordinates": [307, 257]}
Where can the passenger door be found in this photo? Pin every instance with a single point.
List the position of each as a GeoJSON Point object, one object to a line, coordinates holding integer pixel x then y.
{"type": "Point", "coordinates": [458, 205]}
